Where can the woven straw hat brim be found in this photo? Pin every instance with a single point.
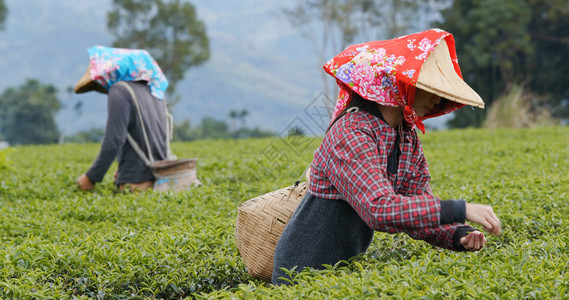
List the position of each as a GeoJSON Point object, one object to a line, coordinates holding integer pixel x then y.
{"type": "Point", "coordinates": [85, 84]}
{"type": "Point", "coordinates": [438, 76]}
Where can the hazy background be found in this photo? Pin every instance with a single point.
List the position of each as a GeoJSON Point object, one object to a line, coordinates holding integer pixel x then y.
{"type": "Point", "coordinates": [258, 61]}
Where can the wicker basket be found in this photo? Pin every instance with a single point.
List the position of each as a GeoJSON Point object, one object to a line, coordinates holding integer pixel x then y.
{"type": "Point", "coordinates": [175, 175]}
{"type": "Point", "coordinates": [259, 225]}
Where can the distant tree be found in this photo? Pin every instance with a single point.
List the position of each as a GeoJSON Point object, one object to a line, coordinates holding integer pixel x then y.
{"type": "Point", "coordinates": [183, 132]}
{"type": "Point", "coordinates": [502, 44]}
{"type": "Point", "coordinates": [213, 129]}
{"type": "Point", "coordinates": [93, 135]}
{"type": "Point", "coordinates": [549, 63]}
{"type": "Point", "coordinates": [3, 13]}
{"type": "Point", "coordinates": [27, 114]}
{"type": "Point", "coordinates": [242, 115]}
{"type": "Point", "coordinates": [210, 128]}
{"type": "Point", "coordinates": [245, 133]}
{"type": "Point", "coordinates": [233, 115]}
{"type": "Point", "coordinates": [168, 29]}
{"type": "Point", "coordinates": [296, 131]}
{"type": "Point", "coordinates": [332, 25]}
{"type": "Point", "coordinates": [327, 25]}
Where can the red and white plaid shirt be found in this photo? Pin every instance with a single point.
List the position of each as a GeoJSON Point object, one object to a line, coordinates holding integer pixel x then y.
{"type": "Point", "coordinates": [351, 164]}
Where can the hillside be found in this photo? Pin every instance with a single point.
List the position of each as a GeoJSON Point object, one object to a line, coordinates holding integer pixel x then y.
{"type": "Point", "coordinates": [58, 242]}
{"type": "Point", "coordinates": [258, 61]}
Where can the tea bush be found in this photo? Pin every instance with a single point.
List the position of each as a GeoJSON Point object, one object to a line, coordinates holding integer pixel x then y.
{"type": "Point", "coordinates": [58, 242]}
{"type": "Point", "coordinates": [3, 158]}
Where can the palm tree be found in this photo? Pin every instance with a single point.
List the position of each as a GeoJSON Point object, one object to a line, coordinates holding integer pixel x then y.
{"type": "Point", "coordinates": [242, 116]}
{"type": "Point", "coordinates": [233, 115]}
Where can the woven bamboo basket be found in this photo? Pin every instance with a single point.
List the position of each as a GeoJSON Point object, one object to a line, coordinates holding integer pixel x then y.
{"type": "Point", "coordinates": [259, 225]}
{"type": "Point", "coordinates": [170, 167]}
{"type": "Point", "coordinates": [175, 175]}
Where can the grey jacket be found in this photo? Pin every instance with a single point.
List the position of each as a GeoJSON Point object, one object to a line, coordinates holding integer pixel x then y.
{"type": "Point", "coordinates": [122, 117]}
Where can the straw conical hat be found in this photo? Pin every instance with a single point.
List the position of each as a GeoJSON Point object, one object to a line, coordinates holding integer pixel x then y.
{"type": "Point", "coordinates": [438, 76]}
{"type": "Point", "coordinates": [86, 84]}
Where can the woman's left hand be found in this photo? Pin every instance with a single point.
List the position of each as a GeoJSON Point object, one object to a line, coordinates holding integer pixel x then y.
{"type": "Point", "coordinates": [473, 241]}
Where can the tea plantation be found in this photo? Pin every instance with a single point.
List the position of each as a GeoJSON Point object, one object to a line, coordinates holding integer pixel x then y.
{"type": "Point", "coordinates": [58, 242]}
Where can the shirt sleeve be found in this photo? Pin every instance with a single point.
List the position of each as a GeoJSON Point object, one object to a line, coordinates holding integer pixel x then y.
{"type": "Point", "coordinates": [358, 172]}
{"type": "Point", "coordinates": [452, 215]}
{"type": "Point", "coordinates": [118, 117]}
{"type": "Point", "coordinates": [445, 236]}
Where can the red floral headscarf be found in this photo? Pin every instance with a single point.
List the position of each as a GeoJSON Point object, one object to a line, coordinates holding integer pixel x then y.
{"type": "Point", "coordinates": [386, 72]}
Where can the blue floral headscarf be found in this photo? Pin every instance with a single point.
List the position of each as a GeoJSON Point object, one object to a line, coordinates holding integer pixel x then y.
{"type": "Point", "coordinates": [110, 65]}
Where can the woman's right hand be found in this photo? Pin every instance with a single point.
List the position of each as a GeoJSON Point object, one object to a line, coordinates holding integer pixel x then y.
{"type": "Point", "coordinates": [473, 241]}
{"type": "Point", "coordinates": [483, 215]}
{"type": "Point", "coordinates": [85, 183]}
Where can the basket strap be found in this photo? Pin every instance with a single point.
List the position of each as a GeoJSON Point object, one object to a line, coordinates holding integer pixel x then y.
{"type": "Point", "coordinates": [130, 139]}
{"type": "Point", "coordinates": [169, 133]}
{"type": "Point", "coordinates": [301, 176]}
{"type": "Point", "coordinates": [138, 151]}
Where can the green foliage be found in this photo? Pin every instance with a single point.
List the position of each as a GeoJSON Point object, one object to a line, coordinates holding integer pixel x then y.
{"type": "Point", "coordinates": [296, 131]}
{"type": "Point", "coordinates": [246, 132]}
{"type": "Point", "coordinates": [93, 135]}
{"type": "Point", "coordinates": [58, 242]}
{"type": "Point", "coordinates": [210, 128]}
{"type": "Point", "coordinates": [235, 115]}
{"type": "Point", "coordinates": [4, 162]}
{"type": "Point", "coordinates": [504, 43]}
{"type": "Point", "coordinates": [3, 13]}
{"type": "Point", "coordinates": [169, 29]}
{"type": "Point", "coordinates": [27, 114]}
{"type": "Point", "coordinates": [213, 129]}
{"type": "Point", "coordinates": [183, 132]}
{"type": "Point", "coordinates": [550, 66]}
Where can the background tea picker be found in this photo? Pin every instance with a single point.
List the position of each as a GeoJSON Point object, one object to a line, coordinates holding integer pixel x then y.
{"type": "Point", "coordinates": [370, 173]}
{"type": "Point", "coordinates": [107, 67]}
